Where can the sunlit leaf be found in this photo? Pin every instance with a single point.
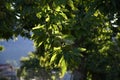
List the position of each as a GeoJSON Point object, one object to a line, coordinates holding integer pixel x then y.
{"type": "Point", "coordinates": [1, 48]}
{"type": "Point", "coordinates": [63, 65]}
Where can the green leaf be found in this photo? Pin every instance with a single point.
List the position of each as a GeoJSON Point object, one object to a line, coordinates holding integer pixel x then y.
{"type": "Point", "coordinates": [53, 58]}
{"type": "Point", "coordinates": [82, 49]}
{"type": "Point", "coordinates": [1, 48]}
{"type": "Point", "coordinates": [63, 65]}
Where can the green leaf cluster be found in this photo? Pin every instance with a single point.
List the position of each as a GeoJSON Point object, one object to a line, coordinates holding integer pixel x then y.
{"type": "Point", "coordinates": [68, 34]}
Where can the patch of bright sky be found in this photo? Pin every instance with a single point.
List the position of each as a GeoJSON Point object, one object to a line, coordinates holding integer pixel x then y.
{"type": "Point", "coordinates": [114, 20]}
{"type": "Point", "coordinates": [15, 49]}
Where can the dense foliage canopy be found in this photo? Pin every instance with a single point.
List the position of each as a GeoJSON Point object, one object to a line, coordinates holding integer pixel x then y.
{"type": "Point", "coordinates": [68, 34]}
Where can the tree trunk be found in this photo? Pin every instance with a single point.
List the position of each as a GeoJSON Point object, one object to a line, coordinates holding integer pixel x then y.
{"type": "Point", "coordinates": [81, 72]}
{"type": "Point", "coordinates": [98, 76]}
